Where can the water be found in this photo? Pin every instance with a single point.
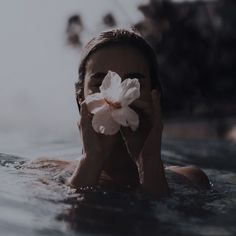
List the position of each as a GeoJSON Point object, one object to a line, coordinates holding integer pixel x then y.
{"type": "Point", "coordinates": [34, 200]}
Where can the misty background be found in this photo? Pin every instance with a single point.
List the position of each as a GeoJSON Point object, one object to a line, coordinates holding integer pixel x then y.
{"type": "Point", "coordinates": [38, 68]}
{"type": "Point", "coordinates": [40, 43]}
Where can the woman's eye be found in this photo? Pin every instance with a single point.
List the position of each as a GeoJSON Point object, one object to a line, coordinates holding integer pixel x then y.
{"type": "Point", "coordinates": [96, 84]}
{"type": "Point", "coordinates": [96, 79]}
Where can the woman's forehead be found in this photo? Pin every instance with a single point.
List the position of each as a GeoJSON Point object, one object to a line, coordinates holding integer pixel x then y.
{"type": "Point", "coordinates": [121, 59]}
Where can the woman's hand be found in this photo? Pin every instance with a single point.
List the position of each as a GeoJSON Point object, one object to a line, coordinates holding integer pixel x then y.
{"type": "Point", "coordinates": [96, 149]}
{"type": "Point", "coordinates": [97, 146]}
{"type": "Point", "coordinates": [147, 139]}
{"type": "Point", "coordinates": [144, 147]}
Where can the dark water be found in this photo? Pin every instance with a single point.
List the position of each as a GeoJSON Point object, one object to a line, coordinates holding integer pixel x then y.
{"type": "Point", "coordinates": [34, 200]}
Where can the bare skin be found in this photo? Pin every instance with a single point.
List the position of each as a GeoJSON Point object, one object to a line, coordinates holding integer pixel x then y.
{"type": "Point", "coordinates": [131, 158]}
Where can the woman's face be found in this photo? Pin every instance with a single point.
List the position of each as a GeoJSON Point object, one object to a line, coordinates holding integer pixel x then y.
{"type": "Point", "coordinates": [127, 61]}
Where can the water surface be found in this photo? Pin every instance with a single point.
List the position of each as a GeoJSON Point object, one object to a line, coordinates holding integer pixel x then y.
{"type": "Point", "coordinates": [34, 200]}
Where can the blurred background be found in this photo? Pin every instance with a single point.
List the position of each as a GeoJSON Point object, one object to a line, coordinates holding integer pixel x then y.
{"type": "Point", "coordinates": [40, 45]}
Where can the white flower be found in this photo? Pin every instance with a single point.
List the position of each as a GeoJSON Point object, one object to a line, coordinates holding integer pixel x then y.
{"type": "Point", "coordinates": [110, 106]}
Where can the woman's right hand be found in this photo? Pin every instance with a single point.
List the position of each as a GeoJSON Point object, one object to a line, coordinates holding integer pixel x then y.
{"type": "Point", "coordinates": [96, 150]}
{"type": "Point", "coordinates": [95, 145]}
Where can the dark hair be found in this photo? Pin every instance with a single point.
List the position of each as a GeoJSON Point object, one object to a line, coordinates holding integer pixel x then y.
{"type": "Point", "coordinates": [112, 38]}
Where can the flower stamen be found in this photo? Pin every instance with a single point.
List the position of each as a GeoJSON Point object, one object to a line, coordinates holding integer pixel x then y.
{"type": "Point", "coordinates": [115, 105]}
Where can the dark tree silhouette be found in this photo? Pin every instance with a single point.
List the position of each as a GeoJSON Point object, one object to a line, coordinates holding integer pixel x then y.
{"type": "Point", "coordinates": [74, 29]}
{"type": "Point", "coordinates": [195, 44]}
{"type": "Point", "coordinates": [109, 20]}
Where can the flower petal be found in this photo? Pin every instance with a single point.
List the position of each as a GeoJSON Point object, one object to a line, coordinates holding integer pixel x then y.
{"type": "Point", "coordinates": [130, 91]}
{"type": "Point", "coordinates": [126, 117]}
{"type": "Point", "coordinates": [103, 123]}
{"type": "Point", "coordinates": [95, 102]}
{"type": "Point", "coordinates": [111, 86]}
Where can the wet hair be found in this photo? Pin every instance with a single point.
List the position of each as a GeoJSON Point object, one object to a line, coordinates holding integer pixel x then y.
{"type": "Point", "coordinates": [117, 37]}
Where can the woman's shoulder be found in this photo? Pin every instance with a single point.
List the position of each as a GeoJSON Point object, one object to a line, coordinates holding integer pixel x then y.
{"type": "Point", "coordinates": [191, 176]}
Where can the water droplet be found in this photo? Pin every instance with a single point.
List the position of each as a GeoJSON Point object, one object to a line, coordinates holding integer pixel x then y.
{"type": "Point", "coordinates": [102, 129]}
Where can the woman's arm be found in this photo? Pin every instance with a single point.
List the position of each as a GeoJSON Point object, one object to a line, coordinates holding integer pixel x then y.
{"type": "Point", "coordinates": [87, 171]}
{"type": "Point", "coordinates": [144, 147]}
{"type": "Point", "coordinates": [96, 150]}
{"type": "Point", "coordinates": [150, 166]}
{"type": "Point", "coordinates": [152, 174]}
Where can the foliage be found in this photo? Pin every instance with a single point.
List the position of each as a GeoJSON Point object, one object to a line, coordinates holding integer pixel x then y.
{"type": "Point", "coordinates": [195, 44]}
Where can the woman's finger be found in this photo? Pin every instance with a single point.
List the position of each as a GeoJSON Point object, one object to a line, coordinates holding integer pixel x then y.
{"type": "Point", "coordinates": [86, 116]}
{"type": "Point", "coordinates": [144, 110]}
{"type": "Point", "coordinates": [85, 126]}
{"type": "Point", "coordinates": [142, 106]}
{"type": "Point", "coordinates": [84, 109]}
{"type": "Point", "coordinates": [86, 120]}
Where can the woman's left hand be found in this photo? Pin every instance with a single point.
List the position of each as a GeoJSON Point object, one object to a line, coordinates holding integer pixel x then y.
{"type": "Point", "coordinates": [144, 146]}
{"type": "Point", "coordinates": [146, 140]}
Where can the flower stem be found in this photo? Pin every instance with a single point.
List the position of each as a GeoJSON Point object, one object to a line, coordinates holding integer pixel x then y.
{"type": "Point", "coordinates": [126, 144]}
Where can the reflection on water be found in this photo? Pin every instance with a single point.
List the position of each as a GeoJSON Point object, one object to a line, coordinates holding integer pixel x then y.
{"type": "Point", "coordinates": [35, 201]}
{"type": "Point", "coordinates": [98, 211]}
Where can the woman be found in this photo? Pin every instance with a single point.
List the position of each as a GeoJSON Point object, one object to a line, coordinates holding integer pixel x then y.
{"type": "Point", "coordinates": [127, 158]}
